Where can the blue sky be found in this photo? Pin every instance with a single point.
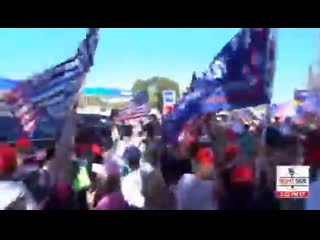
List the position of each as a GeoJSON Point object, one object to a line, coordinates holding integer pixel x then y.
{"type": "Point", "coordinates": [127, 54]}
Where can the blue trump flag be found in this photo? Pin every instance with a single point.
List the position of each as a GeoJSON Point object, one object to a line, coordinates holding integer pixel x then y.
{"type": "Point", "coordinates": [47, 97]}
{"type": "Point", "coordinates": [240, 76]}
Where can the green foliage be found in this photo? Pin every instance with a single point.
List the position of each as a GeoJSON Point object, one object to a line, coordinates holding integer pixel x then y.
{"type": "Point", "coordinates": [154, 86]}
{"type": "Point", "coordinates": [139, 85]}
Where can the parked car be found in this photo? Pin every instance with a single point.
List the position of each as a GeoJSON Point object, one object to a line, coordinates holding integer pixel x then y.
{"type": "Point", "coordinates": [11, 129]}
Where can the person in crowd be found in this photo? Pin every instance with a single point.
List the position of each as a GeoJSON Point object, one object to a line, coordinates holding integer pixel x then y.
{"type": "Point", "coordinates": [154, 189]}
{"type": "Point", "coordinates": [246, 144]}
{"type": "Point", "coordinates": [107, 193]}
{"type": "Point", "coordinates": [220, 137]}
{"type": "Point", "coordinates": [196, 191]}
{"type": "Point", "coordinates": [115, 134]}
{"type": "Point", "coordinates": [152, 128]}
{"type": "Point", "coordinates": [14, 194]}
{"type": "Point", "coordinates": [277, 122]}
{"type": "Point", "coordinates": [215, 165]}
{"type": "Point", "coordinates": [313, 200]}
{"type": "Point", "coordinates": [131, 184]}
{"type": "Point", "coordinates": [265, 166]}
{"type": "Point", "coordinates": [226, 168]}
{"type": "Point", "coordinates": [23, 149]}
{"type": "Point", "coordinates": [62, 197]}
{"type": "Point", "coordinates": [122, 129]}
{"type": "Point", "coordinates": [312, 151]}
{"type": "Point", "coordinates": [240, 194]}
{"type": "Point", "coordinates": [36, 175]}
{"type": "Point", "coordinates": [173, 167]}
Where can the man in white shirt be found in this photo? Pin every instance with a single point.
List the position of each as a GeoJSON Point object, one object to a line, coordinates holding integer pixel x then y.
{"type": "Point", "coordinates": [131, 185]}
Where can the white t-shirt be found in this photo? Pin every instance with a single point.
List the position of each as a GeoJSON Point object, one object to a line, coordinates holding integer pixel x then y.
{"type": "Point", "coordinates": [131, 188]}
{"type": "Point", "coordinates": [193, 193]}
{"type": "Point", "coordinates": [15, 193]}
{"type": "Point", "coordinates": [115, 134]}
{"type": "Point", "coordinates": [313, 202]}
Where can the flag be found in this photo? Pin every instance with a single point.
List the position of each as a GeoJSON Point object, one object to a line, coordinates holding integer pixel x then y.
{"type": "Point", "coordinates": [47, 97]}
{"type": "Point", "coordinates": [240, 76]}
{"type": "Point", "coordinates": [311, 103]}
{"type": "Point", "coordinates": [300, 96]}
{"type": "Point", "coordinates": [243, 71]}
{"type": "Point", "coordinates": [137, 107]}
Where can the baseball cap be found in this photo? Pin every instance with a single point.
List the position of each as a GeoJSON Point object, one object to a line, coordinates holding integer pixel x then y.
{"type": "Point", "coordinates": [205, 156]}
{"type": "Point", "coordinates": [95, 148]}
{"type": "Point", "coordinates": [242, 174]}
{"type": "Point", "coordinates": [24, 143]}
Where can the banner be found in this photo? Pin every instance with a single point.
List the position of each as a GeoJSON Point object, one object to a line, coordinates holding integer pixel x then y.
{"type": "Point", "coordinates": [311, 103]}
{"type": "Point", "coordinates": [47, 97]}
{"type": "Point", "coordinates": [169, 97]}
{"type": "Point", "coordinates": [240, 76]}
{"type": "Point", "coordinates": [300, 96]}
{"type": "Point", "coordinates": [169, 100]}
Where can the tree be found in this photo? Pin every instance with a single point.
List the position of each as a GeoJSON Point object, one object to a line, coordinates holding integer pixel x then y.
{"type": "Point", "coordinates": [140, 85]}
{"type": "Point", "coordinates": [154, 86]}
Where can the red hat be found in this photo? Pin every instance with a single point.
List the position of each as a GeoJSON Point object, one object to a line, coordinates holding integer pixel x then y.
{"type": "Point", "coordinates": [24, 143]}
{"type": "Point", "coordinates": [232, 151]}
{"type": "Point", "coordinates": [8, 159]}
{"type": "Point", "coordinates": [205, 156]}
{"type": "Point", "coordinates": [96, 149]}
{"type": "Point", "coordinates": [242, 174]}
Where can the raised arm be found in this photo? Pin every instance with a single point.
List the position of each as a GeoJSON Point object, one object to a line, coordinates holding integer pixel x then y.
{"type": "Point", "coordinates": [61, 166]}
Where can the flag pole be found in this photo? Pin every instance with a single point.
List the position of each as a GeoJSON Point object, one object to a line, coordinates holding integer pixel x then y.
{"type": "Point", "coordinates": [268, 75]}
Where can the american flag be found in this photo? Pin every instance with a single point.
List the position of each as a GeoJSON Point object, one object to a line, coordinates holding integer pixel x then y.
{"type": "Point", "coordinates": [138, 107]}
{"type": "Point", "coordinates": [48, 96]}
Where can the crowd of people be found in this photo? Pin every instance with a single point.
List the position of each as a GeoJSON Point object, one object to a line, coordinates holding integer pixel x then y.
{"type": "Point", "coordinates": [218, 164]}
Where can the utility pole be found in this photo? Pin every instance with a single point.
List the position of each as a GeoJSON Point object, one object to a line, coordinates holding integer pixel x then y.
{"type": "Point", "coordinates": [314, 73]}
{"type": "Point", "coordinates": [310, 77]}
